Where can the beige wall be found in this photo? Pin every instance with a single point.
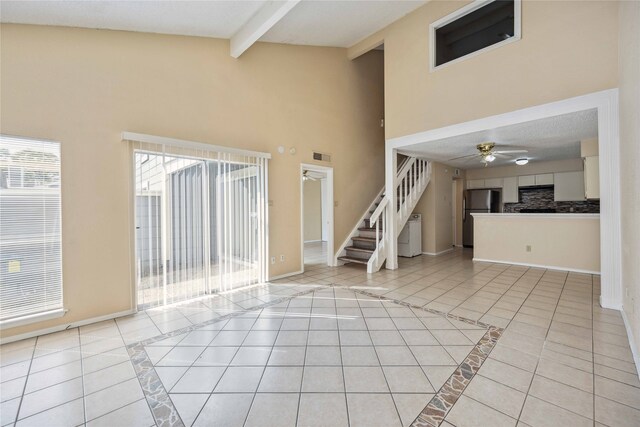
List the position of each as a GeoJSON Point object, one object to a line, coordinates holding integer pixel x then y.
{"type": "Point", "coordinates": [630, 163]}
{"type": "Point", "coordinates": [84, 87]}
{"type": "Point", "coordinates": [435, 207]}
{"type": "Point", "coordinates": [566, 242]}
{"type": "Point", "coordinates": [549, 63]}
{"type": "Point", "coordinates": [312, 210]}
{"type": "Point", "coordinates": [532, 168]}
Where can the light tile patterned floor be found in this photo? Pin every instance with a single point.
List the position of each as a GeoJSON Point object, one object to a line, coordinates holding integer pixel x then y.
{"type": "Point", "coordinates": [337, 357]}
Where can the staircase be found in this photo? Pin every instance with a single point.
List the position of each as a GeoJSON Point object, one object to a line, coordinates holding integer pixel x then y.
{"type": "Point", "coordinates": [367, 243]}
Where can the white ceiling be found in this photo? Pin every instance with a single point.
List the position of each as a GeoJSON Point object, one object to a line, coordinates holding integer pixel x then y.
{"type": "Point", "coordinates": [311, 22]}
{"type": "Point", "coordinates": [553, 138]}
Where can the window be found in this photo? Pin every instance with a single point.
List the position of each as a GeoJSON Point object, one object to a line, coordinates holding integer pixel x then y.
{"type": "Point", "coordinates": [481, 25]}
{"type": "Point", "coordinates": [30, 247]}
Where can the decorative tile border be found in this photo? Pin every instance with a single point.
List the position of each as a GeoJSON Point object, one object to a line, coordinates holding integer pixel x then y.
{"type": "Point", "coordinates": [437, 409]}
{"type": "Point", "coordinates": [166, 415]}
{"type": "Point", "coordinates": [162, 408]}
{"type": "Point", "coordinates": [439, 406]}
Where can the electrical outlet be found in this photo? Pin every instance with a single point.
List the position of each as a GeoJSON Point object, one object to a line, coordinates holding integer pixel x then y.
{"type": "Point", "coordinates": [528, 248]}
{"type": "Point", "coordinates": [273, 260]}
{"type": "Point", "coordinates": [281, 258]}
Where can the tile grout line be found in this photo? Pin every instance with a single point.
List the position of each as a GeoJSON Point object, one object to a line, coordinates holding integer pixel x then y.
{"type": "Point", "coordinates": [26, 380]}
{"type": "Point", "coordinates": [344, 380]}
{"type": "Point", "coordinates": [535, 369]}
{"type": "Point", "coordinates": [412, 355]}
{"type": "Point", "coordinates": [264, 369]}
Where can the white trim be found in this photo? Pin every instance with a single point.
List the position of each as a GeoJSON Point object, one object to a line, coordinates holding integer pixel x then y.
{"type": "Point", "coordinates": [32, 318]}
{"type": "Point", "coordinates": [285, 275]}
{"type": "Point", "coordinates": [438, 253]}
{"type": "Point", "coordinates": [606, 102]}
{"type": "Point", "coordinates": [173, 142]}
{"type": "Point", "coordinates": [634, 349]}
{"type": "Point", "coordinates": [261, 22]}
{"type": "Point", "coordinates": [517, 32]}
{"type": "Point", "coordinates": [539, 215]}
{"type": "Point", "coordinates": [314, 241]}
{"type": "Point", "coordinates": [328, 200]}
{"type": "Point", "coordinates": [64, 326]}
{"type": "Point", "coordinates": [526, 264]}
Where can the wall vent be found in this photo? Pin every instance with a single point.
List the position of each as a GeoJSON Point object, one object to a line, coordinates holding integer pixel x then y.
{"type": "Point", "coordinates": [321, 157]}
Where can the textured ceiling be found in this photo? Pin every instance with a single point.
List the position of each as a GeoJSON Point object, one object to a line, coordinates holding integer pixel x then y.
{"type": "Point", "coordinates": [547, 139]}
{"type": "Point", "coordinates": [337, 23]}
{"type": "Point", "coordinates": [311, 22]}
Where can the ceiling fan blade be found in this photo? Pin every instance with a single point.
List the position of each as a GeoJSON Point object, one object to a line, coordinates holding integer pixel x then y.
{"type": "Point", "coordinates": [462, 157]}
{"type": "Point", "coordinates": [510, 151]}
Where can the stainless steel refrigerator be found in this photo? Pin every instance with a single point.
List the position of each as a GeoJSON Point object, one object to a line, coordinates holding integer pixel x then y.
{"type": "Point", "coordinates": [477, 201]}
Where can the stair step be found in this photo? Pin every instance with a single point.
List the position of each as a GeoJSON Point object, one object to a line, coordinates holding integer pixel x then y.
{"type": "Point", "coordinates": [365, 239]}
{"type": "Point", "coordinates": [354, 260]}
{"type": "Point", "coordinates": [369, 229]}
{"type": "Point", "coordinates": [357, 249]}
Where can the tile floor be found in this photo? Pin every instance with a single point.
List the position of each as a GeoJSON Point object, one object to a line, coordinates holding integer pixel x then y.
{"type": "Point", "coordinates": [315, 255]}
{"type": "Point", "coordinates": [302, 352]}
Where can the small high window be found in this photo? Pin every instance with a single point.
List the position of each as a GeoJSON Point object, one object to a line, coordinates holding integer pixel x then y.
{"type": "Point", "coordinates": [480, 25]}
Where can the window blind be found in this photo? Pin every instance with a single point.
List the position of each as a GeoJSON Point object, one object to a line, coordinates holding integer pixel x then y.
{"type": "Point", "coordinates": [30, 228]}
{"type": "Point", "coordinates": [200, 218]}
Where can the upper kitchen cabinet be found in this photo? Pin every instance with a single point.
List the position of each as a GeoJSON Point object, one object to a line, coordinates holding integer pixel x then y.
{"type": "Point", "coordinates": [510, 190]}
{"type": "Point", "coordinates": [475, 183]}
{"type": "Point", "coordinates": [592, 177]}
{"type": "Point", "coordinates": [533, 180]}
{"type": "Point", "coordinates": [568, 186]}
{"type": "Point", "coordinates": [590, 153]}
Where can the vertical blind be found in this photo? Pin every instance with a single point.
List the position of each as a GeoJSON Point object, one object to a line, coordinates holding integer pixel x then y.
{"type": "Point", "coordinates": [30, 227]}
{"type": "Point", "coordinates": [200, 222]}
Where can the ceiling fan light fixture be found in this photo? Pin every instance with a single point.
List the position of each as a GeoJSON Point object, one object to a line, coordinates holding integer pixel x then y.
{"type": "Point", "coordinates": [489, 157]}
{"type": "Point", "coordinates": [522, 161]}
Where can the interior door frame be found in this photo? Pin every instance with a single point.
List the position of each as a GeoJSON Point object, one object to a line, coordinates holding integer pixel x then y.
{"type": "Point", "coordinates": [328, 202]}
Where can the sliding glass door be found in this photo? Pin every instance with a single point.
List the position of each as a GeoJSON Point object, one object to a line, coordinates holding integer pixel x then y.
{"type": "Point", "coordinates": [200, 224]}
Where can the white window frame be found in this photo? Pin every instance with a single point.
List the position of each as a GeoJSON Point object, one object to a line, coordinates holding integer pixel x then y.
{"type": "Point", "coordinates": [28, 319]}
{"type": "Point", "coordinates": [517, 32]}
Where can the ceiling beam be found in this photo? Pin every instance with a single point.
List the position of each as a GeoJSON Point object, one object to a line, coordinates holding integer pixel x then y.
{"type": "Point", "coordinates": [259, 24]}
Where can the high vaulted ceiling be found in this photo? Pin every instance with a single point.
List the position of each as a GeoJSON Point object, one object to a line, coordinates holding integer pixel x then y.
{"type": "Point", "coordinates": [553, 138]}
{"type": "Point", "coordinates": [307, 22]}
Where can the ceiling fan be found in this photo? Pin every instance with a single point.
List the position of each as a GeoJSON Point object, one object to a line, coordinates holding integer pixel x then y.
{"type": "Point", "coordinates": [487, 153]}
{"type": "Point", "coordinates": [306, 176]}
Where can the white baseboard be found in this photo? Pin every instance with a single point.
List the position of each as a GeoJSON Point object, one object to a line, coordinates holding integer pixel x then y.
{"type": "Point", "coordinates": [437, 253]}
{"type": "Point", "coordinates": [283, 276]}
{"type": "Point", "coordinates": [64, 326]}
{"type": "Point", "coordinates": [314, 241]}
{"type": "Point", "coordinates": [634, 349]}
{"type": "Point", "coordinates": [548, 267]}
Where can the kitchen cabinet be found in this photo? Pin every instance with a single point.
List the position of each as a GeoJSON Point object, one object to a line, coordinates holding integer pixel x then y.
{"type": "Point", "coordinates": [534, 180]}
{"type": "Point", "coordinates": [544, 179]}
{"type": "Point", "coordinates": [475, 183]}
{"type": "Point", "coordinates": [510, 190]}
{"type": "Point", "coordinates": [568, 186]}
{"type": "Point", "coordinates": [526, 181]}
{"type": "Point", "coordinates": [592, 177]}
{"type": "Point", "coordinates": [493, 183]}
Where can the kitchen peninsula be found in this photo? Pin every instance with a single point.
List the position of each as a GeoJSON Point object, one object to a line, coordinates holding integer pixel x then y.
{"type": "Point", "coordinates": [564, 241]}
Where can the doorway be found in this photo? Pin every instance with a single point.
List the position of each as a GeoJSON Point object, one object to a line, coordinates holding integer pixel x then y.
{"type": "Point", "coordinates": [200, 225]}
{"type": "Point", "coordinates": [316, 216]}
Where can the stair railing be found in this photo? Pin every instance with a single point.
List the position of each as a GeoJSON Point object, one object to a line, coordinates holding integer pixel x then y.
{"type": "Point", "coordinates": [378, 218]}
{"type": "Point", "coordinates": [412, 179]}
